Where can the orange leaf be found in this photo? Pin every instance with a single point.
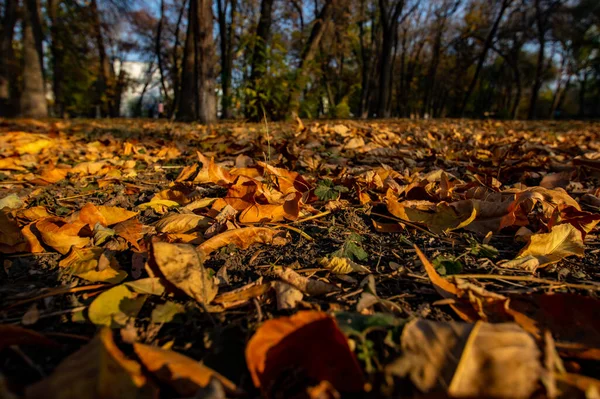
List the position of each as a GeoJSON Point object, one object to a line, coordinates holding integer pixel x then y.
{"type": "Point", "coordinates": [185, 375]}
{"type": "Point", "coordinates": [243, 238]}
{"type": "Point", "coordinates": [310, 341]}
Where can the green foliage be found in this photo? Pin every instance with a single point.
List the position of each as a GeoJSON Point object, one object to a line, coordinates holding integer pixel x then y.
{"type": "Point", "coordinates": [352, 248]}
{"type": "Point", "coordinates": [447, 265]}
{"type": "Point", "coordinates": [327, 191]}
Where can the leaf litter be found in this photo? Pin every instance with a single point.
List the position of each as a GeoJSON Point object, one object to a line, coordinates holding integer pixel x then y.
{"type": "Point", "coordinates": [379, 259]}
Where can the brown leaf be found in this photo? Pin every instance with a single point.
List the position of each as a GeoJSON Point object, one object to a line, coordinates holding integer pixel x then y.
{"type": "Point", "coordinates": [182, 223]}
{"type": "Point", "coordinates": [212, 173]}
{"type": "Point", "coordinates": [307, 285]}
{"type": "Point", "coordinates": [186, 376]}
{"type": "Point", "coordinates": [14, 335]}
{"type": "Point", "coordinates": [309, 342]}
{"type": "Point", "coordinates": [258, 213]}
{"type": "Point", "coordinates": [11, 237]}
{"type": "Point", "coordinates": [98, 370]}
{"type": "Point", "coordinates": [182, 265]}
{"type": "Point", "coordinates": [243, 238]}
{"type": "Point", "coordinates": [469, 360]}
{"type": "Point", "coordinates": [130, 230]}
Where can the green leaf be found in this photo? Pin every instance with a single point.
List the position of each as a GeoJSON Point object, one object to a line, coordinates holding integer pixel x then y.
{"type": "Point", "coordinates": [326, 191]}
{"type": "Point", "coordinates": [447, 265]}
{"type": "Point", "coordinates": [166, 312]}
{"type": "Point", "coordinates": [114, 307]}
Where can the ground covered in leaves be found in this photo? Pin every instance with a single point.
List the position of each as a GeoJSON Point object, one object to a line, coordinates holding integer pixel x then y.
{"type": "Point", "coordinates": [310, 260]}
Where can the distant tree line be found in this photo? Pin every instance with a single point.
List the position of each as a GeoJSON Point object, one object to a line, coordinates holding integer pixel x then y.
{"type": "Point", "coordinates": [250, 59]}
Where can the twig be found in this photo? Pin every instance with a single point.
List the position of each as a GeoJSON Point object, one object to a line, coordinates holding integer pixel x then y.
{"type": "Point", "coordinates": [46, 315]}
{"type": "Point", "coordinates": [294, 229]}
{"type": "Point", "coordinates": [318, 215]}
{"type": "Point", "coordinates": [28, 360]}
{"type": "Point", "coordinates": [595, 287]}
{"type": "Point", "coordinates": [59, 291]}
{"type": "Point", "coordinates": [411, 225]}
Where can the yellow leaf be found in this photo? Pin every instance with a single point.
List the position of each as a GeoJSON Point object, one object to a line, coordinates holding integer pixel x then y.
{"type": "Point", "coordinates": [182, 223]}
{"type": "Point", "coordinates": [34, 147]}
{"type": "Point", "coordinates": [84, 263]}
{"type": "Point", "coordinates": [544, 249]}
{"type": "Point", "coordinates": [158, 205]}
{"type": "Point", "coordinates": [115, 306]}
{"type": "Point", "coordinates": [339, 265]}
{"type": "Point", "coordinates": [182, 266]}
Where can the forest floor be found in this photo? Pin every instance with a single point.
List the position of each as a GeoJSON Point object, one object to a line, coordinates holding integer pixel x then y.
{"type": "Point", "coordinates": [316, 259]}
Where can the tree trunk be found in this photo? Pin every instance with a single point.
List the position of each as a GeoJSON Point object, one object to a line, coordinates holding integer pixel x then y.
{"type": "Point", "coordinates": [514, 112]}
{"type": "Point", "coordinates": [226, 32]}
{"type": "Point", "coordinates": [157, 49]}
{"type": "Point", "coordinates": [7, 61]}
{"type": "Point", "coordinates": [582, 90]}
{"type": "Point", "coordinates": [176, 66]}
{"type": "Point", "coordinates": [385, 72]}
{"type": "Point", "coordinates": [33, 97]}
{"type": "Point", "coordinates": [389, 23]}
{"type": "Point", "coordinates": [309, 52]}
{"type": "Point", "coordinates": [539, 70]}
{"type": "Point", "coordinates": [57, 51]}
{"type": "Point", "coordinates": [259, 52]}
{"type": "Point", "coordinates": [198, 99]}
{"type": "Point", "coordinates": [105, 86]}
{"type": "Point", "coordinates": [486, 46]}
{"type": "Point", "coordinates": [432, 72]}
{"type": "Point", "coordinates": [365, 89]}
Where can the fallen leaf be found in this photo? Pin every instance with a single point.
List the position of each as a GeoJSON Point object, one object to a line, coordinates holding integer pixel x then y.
{"type": "Point", "coordinates": [182, 223]}
{"type": "Point", "coordinates": [114, 307]}
{"type": "Point", "coordinates": [309, 341]}
{"type": "Point", "coordinates": [60, 235]}
{"type": "Point", "coordinates": [307, 285]}
{"type": "Point", "coordinates": [469, 360]}
{"type": "Point", "coordinates": [182, 266]}
{"type": "Point", "coordinates": [287, 295]}
{"type": "Point", "coordinates": [98, 370]}
{"type": "Point", "coordinates": [84, 263]}
{"type": "Point", "coordinates": [159, 206]}
{"type": "Point", "coordinates": [544, 249]}
{"type": "Point", "coordinates": [339, 265]}
{"type": "Point", "coordinates": [243, 238]}
{"type": "Point", "coordinates": [15, 335]}
{"type": "Point", "coordinates": [186, 376]}
{"type": "Point", "coordinates": [130, 230]}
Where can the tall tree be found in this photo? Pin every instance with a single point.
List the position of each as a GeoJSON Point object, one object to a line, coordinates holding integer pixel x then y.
{"type": "Point", "coordinates": [226, 33]}
{"type": "Point", "coordinates": [259, 53]}
{"type": "Point", "coordinates": [7, 61]}
{"type": "Point", "coordinates": [33, 95]}
{"type": "Point", "coordinates": [198, 99]}
{"type": "Point", "coordinates": [310, 49]}
{"type": "Point", "coordinates": [390, 16]}
{"type": "Point", "coordinates": [482, 57]}
{"type": "Point", "coordinates": [57, 50]}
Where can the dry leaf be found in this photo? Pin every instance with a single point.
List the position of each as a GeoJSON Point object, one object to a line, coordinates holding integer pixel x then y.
{"type": "Point", "coordinates": [98, 370]}
{"type": "Point", "coordinates": [339, 265]}
{"type": "Point", "coordinates": [15, 335]}
{"type": "Point", "coordinates": [287, 295]}
{"type": "Point", "coordinates": [114, 307]}
{"type": "Point", "coordinates": [543, 249]}
{"type": "Point", "coordinates": [58, 234]}
{"type": "Point", "coordinates": [84, 263]}
{"type": "Point", "coordinates": [243, 238]}
{"type": "Point", "coordinates": [186, 376]}
{"type": "Point", "coordinates": [469, 360]}
{"type": "Point", "coordinates": [182, 266]}
{"type": "Point", "coordinates": [307, 285]}
{"type": "Point", "coordinates": [182, 223]}
{"type": "Point", "coordinates": [308, 341]}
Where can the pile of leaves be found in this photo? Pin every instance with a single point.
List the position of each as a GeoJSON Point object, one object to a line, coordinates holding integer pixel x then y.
{"type": "Point", "coordinates": [154, 259]}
